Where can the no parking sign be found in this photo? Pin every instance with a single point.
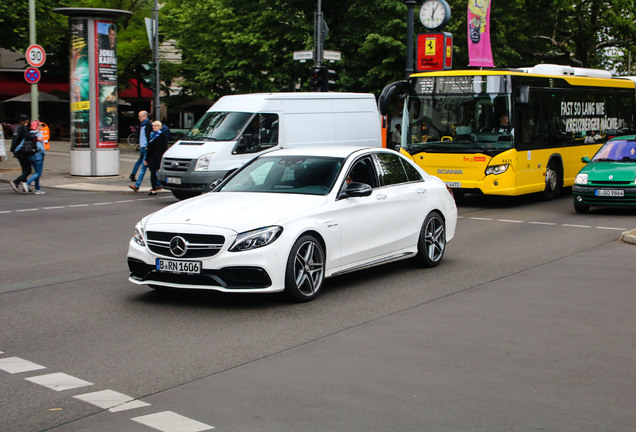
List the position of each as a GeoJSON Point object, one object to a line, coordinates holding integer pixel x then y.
{"type": "Point", "coordinates": [32, 75]}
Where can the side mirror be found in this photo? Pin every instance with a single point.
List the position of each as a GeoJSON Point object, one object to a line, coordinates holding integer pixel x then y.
{"type": "Point", "coordinates": [585, 159]}
{"type": "Point", "coordinates": [356, 189]}
{"type": "Point", "coordinates": [391, 92]}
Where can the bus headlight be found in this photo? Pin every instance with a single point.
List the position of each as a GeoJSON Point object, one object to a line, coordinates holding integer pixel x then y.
{"type": "Point", "coordinates": [497, 169]}
{"type": "Point", "coordinates": [580, 179]}
{"type": "Point", "coordinates": [203, 163]}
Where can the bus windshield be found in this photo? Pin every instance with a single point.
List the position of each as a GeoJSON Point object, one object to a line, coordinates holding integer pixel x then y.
{"type": "Point", "coordinates": [458, 123]}
{"type": "Point", "coordinates": [219, 126]}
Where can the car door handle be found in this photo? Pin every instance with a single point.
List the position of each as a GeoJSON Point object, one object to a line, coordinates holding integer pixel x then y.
{"type": "Point", "coordinates": [380, 197]}
{"type": "Point", "coordinates": [420, 191]}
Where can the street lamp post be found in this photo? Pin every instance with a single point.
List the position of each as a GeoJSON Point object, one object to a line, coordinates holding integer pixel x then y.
{"type": "Point", "coordinates": [410, 5]}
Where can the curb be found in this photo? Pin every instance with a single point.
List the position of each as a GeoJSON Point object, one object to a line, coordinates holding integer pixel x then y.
{"type": "Point", "coordinates": [629, 237]}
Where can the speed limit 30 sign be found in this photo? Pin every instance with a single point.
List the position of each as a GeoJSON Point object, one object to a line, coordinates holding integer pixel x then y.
{"type": "Point", "coordinates": [35, 55]}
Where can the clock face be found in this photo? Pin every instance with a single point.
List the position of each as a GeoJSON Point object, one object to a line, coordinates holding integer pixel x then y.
{"type": "Point", "coordinates": [434, 14]}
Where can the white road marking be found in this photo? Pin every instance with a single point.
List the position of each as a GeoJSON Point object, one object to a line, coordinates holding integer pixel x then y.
{"type": "Point", "coordinates": [15, 365]}
{"type": "Point", "coordinates": [611, 228]}
{"type": "Point", "coordinates": [509, 220]}
{"type": "Point", "coordinates": [169, 421]}
{"type": "Point", "coordinates": [111, 400]}
{"type": "Point", "coordinates": [576, 226]}
{"type": "Point", "coordinates": [543, 223]}
{"type": "Point", "coordinates": [59, 381]}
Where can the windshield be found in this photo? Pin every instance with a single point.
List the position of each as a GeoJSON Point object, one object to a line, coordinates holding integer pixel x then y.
{"type": "Point", "coordinates": [312, 175]}
{"type": "Point", "coordinates": [458, 114]}
{"type": "Point", "coordinates": [219, 126]}
{"type": "Point", "coordinates": [617, 151]}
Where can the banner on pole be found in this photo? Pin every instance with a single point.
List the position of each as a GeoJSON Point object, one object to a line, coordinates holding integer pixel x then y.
{"type": "Point", "coordinates": [479, 50]}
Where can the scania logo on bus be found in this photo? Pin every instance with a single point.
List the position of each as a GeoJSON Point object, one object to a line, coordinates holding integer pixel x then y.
{"type": "Point", "coordinates": [449, 171]}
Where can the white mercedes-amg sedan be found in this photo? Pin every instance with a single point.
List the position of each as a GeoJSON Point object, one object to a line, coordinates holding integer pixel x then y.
{"type": "Point", "coordinates": [290, 218]}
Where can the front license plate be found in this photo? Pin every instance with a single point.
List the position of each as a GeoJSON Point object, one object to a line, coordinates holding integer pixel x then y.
{"type": "Point", "coordinates": [454, 184]}
{"type": "Point", "coordinates": [173, 266]}
{"type": "Point", "coordinates": [173, 180]}
{"type": "Point", "coordinates": [609, 192]}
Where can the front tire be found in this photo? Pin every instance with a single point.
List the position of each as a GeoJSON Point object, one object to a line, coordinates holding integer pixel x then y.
{"type": "Point", "coordinates": [432, 242]}
{"type": "Point", "coordinates": [305, 271]}
{"type": "Point", "coordinates": [553, 181]}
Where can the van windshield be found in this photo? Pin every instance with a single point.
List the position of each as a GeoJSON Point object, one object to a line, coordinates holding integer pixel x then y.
{"type": "Point", "coordinates": [219, 126]}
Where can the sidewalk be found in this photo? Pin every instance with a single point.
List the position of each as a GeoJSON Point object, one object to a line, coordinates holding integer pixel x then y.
{"type": "Point", "coordinates": [57, 168]}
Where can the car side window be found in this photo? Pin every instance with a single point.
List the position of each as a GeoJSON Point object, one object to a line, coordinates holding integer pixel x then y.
{"type": "Point", "coordinates": [412, 173]}
{"type": "Point", "coordinates": [392, 169]}
{"type": "Point", "coordinates": [362, 171]}
{"type": "Point", "coordinates": [261, 133]}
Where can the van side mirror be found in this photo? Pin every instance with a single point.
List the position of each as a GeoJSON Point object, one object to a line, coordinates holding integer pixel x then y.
{"type": "Point", "coordinates": [585, 159]}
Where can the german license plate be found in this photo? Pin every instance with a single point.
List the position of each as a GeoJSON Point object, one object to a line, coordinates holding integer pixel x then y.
{"type": "Point", "coordinates": [454, 184]}
{"type": "Point", "coordinates": [173, 180]}
{"type": "Point", "coordinates": [173, 266]}
{"type": "Point", "coordinates": [609, 192]}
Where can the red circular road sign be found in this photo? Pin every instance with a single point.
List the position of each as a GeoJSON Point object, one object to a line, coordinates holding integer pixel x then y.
{"type": "Point", "coordinates": [32, 75]}
{"type": "Point", "coordinates": [35, 55]}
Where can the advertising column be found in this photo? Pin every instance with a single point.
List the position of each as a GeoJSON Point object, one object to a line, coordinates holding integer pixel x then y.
{"type": "Point", "coordinates": [93, 87]}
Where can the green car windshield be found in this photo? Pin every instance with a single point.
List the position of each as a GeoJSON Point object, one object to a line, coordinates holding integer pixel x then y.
{"type": "Point", "coordinates": [617, 151]}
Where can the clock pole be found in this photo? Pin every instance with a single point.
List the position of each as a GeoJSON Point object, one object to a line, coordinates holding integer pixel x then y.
{"type": "Point", "coordinates": [410, 4]}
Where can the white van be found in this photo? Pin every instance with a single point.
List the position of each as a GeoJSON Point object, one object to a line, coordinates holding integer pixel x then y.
{"type": "Point", "coordinates": [239, 127]}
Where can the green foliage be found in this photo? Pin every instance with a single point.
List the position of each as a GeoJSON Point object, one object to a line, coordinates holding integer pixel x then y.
{"type": "Point", "coordinates": [231, 46]}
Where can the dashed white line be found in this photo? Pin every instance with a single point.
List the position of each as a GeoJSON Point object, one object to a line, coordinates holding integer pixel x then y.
{"type": "Point", "coordinates": [509, 220]}
{"type": "Point", "coordinates": [111, 400]}
{"type": "Point", "coordinates": [611, 228]}
{"type": "Point", "coordinates": [576, 226]}
{"type": "Point", "coordinates": [59, 381]}
{"type": "Point", "coordinates": [543, 223]}
{"type": "Point", "coordinates": [166, 421]}
{"type": "Point", "coordinates": [15, 365]}
{"type": "Point", "coordinates": [169, 421]}
{"type": "Point", "coordinates": [78, 205]}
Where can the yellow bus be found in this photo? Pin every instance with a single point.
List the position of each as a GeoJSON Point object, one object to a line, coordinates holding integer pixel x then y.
{"type": "Point", "coordinates": [507, 132]}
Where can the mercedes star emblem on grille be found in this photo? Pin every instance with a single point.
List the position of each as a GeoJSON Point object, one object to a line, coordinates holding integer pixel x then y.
{"type": "Point", "coordinates": [178, 246]}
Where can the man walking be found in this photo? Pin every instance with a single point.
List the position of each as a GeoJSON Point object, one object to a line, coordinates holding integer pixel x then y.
{"type": "Point", "coordinates": [144, 136]}
{"type": "Point", "coordinates": [19, 135]}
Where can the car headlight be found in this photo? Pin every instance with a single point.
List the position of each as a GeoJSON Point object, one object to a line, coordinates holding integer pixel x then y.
{"type": "Point", "coordinates": [497, 169]}
{"type": "Point", "coordinates": [203, 163]}
{"type": "Point", "coordinates": [580, 179]}
{"type": "Point", "coordinates": [138, 236]}
{"type": "Point", "coordinates": [256, 238]}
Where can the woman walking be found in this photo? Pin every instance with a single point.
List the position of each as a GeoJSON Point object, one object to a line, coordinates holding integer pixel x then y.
{"type": "Point", "coordinates": [37, 159]}
{"type": "Point", "coordinates": [157, 146]}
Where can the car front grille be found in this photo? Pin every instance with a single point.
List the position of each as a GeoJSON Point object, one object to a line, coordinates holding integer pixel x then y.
{"type": "Point", "coordinates": [196, 245]}
{"type": "Point", "coordinates": [176, 165]}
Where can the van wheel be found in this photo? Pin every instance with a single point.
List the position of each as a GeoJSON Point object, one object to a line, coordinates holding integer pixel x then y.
{"type": "Point", "coordinates": [305, 270]}
{"type": "Point", "coordinates": [553, 181]}
{"type": "Point", "coordinates": [432, 241]}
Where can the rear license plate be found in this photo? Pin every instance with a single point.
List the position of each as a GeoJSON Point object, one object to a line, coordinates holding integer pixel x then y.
{"type": "Point", "coordinates": [609, 192]}
{"type": "Point", "coordinates": [454, 184]}
{"type": "Point", "coordinates": [173, 266]}
{"type": "Point", "coordinates": [173, 180]}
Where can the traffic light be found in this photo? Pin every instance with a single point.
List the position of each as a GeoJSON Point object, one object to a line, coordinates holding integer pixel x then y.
{"type": "Point", "coordinates": [316, 77]}
{"type": "Point", "coordinates": [147, 74]}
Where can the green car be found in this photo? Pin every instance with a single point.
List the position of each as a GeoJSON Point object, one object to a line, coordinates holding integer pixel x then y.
{"type": "Point", "coordinates": [609, 179]}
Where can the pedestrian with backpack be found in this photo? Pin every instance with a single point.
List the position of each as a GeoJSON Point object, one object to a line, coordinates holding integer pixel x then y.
{"type": "Point", "coordinates": [36, 157]}
{"type": "Point", "coordinates": [19, 135]}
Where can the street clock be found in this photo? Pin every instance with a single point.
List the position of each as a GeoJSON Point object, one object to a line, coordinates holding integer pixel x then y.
{"type": "Point", "coordinates": [435, 14]}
